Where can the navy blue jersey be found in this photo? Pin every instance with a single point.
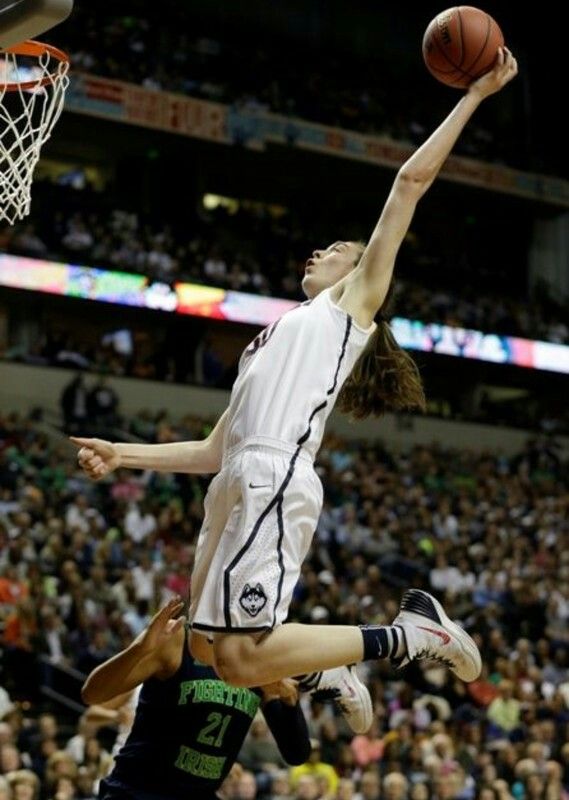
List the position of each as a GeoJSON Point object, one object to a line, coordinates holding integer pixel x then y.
{"type": "Point", "coordinates": [186, 735]}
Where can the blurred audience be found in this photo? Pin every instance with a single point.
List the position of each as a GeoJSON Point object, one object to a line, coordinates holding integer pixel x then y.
{"type": "Point", "coordinates": [82, 565]}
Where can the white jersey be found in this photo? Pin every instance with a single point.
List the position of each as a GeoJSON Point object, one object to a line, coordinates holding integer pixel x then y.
{"type": "Point", "coordinates": [290, 376]}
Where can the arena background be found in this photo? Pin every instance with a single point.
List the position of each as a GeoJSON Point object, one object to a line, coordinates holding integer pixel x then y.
{"type": "Point", "coordinates": [205, 149]}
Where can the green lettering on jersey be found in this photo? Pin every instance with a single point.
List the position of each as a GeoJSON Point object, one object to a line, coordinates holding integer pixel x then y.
{"type": "Point", "coordinates": [218, 693]}
{"type": "Point", "coordinates": [248, 702]}
{"type": "Point", "coordinates": [211, 691]}
{"type": "Point", "coordinates": [186, 688]}
{"type": "Point", "coordinates": [200, 764]}
{"type": "Point", "coordinates": [230, 694]}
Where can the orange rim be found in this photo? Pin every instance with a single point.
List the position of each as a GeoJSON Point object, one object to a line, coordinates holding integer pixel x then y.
{"type": "Point", "coordinates": [37, 49]}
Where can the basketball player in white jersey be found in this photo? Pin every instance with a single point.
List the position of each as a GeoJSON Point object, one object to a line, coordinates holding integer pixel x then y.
{"type": "Point", "coordinates": [261, 508]}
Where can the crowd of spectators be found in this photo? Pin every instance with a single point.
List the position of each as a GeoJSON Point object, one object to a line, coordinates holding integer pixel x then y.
{"type": "Point", "coordinates": [204, 362]}
{"type": "Point", "coordinates": [83, 566]}
{"type": "Point", "coordinates": [256, 250]}
{"type": "Point", "coordinates": [182, 53]}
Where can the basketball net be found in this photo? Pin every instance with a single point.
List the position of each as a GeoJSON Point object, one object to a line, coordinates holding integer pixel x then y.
{"type": "Point", "coordinates": [33, 82]}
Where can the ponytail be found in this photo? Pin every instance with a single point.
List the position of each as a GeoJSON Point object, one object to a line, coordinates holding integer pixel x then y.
{"type": "Point", "coordinates": [384, 378]}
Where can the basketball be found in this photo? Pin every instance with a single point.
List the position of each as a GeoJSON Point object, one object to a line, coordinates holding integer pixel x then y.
{"type": "Point", "coordinates": [460, 45]}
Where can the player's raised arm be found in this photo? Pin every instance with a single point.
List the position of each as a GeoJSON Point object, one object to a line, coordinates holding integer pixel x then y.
{"type": "Point", "coordinates": [98, 457]}
{"type": "Point", "coordinates": [141, 660]}
{"type": "Point", "coordinates": [366, 287]}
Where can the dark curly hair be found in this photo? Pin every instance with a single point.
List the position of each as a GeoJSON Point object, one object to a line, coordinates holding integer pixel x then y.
{"type": "Point", "coordinates": [385, 377]}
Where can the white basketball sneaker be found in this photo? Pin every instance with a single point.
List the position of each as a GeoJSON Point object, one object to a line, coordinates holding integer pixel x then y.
{"type": "Point", "coordinates": [349, 694]}
{"type": "Point", "coordinates": [429, 633]}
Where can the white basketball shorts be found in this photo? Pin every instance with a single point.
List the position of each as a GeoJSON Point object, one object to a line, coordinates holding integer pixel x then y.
{"type": "Point", "coordinates": [261, 512]}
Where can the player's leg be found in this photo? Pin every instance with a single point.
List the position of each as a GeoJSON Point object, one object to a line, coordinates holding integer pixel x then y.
{"type": "Point", "coordinates": [252, 573]}
{"type": "Point", "coordinates": [420, 630]}
{"type": "Point", "coordinates": [214, 523]}
{"type": "Point", "coordinates": [201, 648]}
{"type": "Point", "coordinates": [293, 649]}
{"type": "Point", "coordinates": [252, 570]}
{"type": "Point", "coordinates": [342, 686]}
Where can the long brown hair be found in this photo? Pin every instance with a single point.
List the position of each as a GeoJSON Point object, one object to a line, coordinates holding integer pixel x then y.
{"type": "Point", "coordinates": [385, 377]}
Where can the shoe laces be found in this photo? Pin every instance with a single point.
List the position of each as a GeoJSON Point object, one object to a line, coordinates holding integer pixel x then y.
{"type": "Point", "coordinates": [336, 696]}
{"type": "Point", "coordinates": [432, 655]}
{"type": "Point", "coordinates": [321, 695]}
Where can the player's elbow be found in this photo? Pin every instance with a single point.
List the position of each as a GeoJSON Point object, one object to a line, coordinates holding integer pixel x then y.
{"type": "Point", "coordinates": [88, 696]}
{"type": "Point", "coordinates": [93, 691]}
{"type": "Point", "coordinates": [209, 466]}
{"type": "Point", "coordinates": [413, 182]}
{"type": "Point", "coordinates": [211, 456]}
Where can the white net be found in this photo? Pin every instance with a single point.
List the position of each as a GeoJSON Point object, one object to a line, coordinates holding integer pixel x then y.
{"type": "Point", "coordinates": [32, 93]}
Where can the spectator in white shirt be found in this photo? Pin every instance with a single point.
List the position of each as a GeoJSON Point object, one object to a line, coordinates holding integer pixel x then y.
{"type": "Point", "coordinates": [443, 576]}
{"type": "Point", "coordinates": [143, 576]}
{"type": "Point", "coordinates": [139, 522]}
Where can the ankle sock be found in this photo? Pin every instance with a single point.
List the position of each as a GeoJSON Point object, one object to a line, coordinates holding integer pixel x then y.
{"type": "Point", "coordinates": [382, 641]}
{"type": "Point", "coordinates": [308, 681]}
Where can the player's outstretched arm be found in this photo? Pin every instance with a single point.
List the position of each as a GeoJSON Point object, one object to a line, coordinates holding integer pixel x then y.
{"type": "Point", "coordinates": [366, 287]}
{"type": "Point", "coordinates": [98, 457]}
{"type": "Point", "coordinates": [144, 658]}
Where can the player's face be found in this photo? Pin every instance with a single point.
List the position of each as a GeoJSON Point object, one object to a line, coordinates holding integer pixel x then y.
{"type": "Point", "coordinates": [326, 267]}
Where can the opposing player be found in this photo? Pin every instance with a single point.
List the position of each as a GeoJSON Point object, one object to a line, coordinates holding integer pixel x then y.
{"type": "Point", "coordinates": [188, 725]}
{"type": "Point", "coordinates": [261, 508]}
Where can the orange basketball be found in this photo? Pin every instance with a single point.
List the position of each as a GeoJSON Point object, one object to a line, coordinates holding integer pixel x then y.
{"type": "Point", "coordinates": [461, 44]}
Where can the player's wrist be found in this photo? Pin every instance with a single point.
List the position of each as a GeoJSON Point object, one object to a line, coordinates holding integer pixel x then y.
{"type": "Point", "coordinates": [475, 93]}
{"type": "Point", "coordinates": [119, 453]}
{"type": "Point", "coordinates": [143, 646]}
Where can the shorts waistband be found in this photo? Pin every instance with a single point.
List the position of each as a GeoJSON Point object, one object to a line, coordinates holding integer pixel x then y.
{"type": "Point", "coordinates": [266, 444]}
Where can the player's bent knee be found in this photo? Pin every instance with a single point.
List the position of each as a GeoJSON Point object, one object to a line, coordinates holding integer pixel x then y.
{"type": "Point", "coordinates": [201, 649]}
{"type": "Point", "coordinates": [234, 656]}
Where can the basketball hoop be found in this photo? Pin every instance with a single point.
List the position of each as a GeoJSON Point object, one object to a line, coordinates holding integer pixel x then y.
{"type": "Point", "coordinates": [33, 82]}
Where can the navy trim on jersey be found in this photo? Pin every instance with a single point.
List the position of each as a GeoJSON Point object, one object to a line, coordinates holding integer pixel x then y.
{"type": "Point", "coordinates": [223, 629]}
{"type": "Point", "coordinates": [280, 525]}
{"type": "Point", "coordinates": [278, 501]}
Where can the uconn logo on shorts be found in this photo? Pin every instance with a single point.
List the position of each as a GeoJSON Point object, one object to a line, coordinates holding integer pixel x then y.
{"type": "Point", "coordinates": [253, 599]}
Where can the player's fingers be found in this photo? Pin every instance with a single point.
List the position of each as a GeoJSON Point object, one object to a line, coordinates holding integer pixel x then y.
{"type": "Point", "coordinates": [80, 441]}
{"type": "Point", "coordinates": [99, 446]}
{"type": "Point", "coordinates": [177, 608]}
{"type": "Point", "coordinates": [175, 625]}
{"type": "Point", "coordinates": [173, 606]}
{"type": "Point", "coordinates": [509, 58]}
{"type": "Point", "coordinates": [512, 60]}
{"type": "Point", "coordinates": [85, 453]}
{"type": "Point", "coordinates": [86, 464]}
